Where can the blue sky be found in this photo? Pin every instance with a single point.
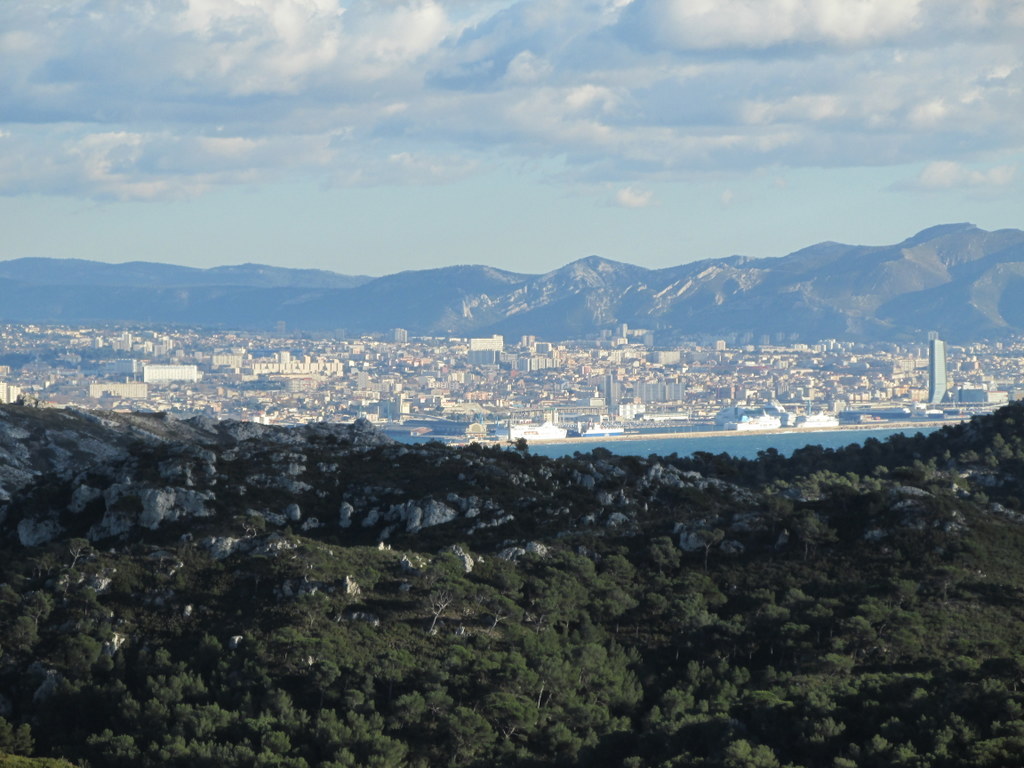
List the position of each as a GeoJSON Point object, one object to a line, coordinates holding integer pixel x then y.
{"type": "Point", "coordinates": [371, 137]}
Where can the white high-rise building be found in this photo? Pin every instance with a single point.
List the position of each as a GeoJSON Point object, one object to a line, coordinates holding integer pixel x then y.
{"type": "Point", "coordinates": [9, 393]}
{"type": "Point", "coordinates": [494, 343]}
{"type": "Point", "coordinates": [163, 374]}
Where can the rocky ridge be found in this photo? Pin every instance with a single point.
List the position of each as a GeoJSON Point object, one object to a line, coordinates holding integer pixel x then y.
{"type": "Point", "coordinates": [236, 487]}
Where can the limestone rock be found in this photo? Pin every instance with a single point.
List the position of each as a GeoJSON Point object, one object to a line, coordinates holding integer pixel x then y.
{"type": "Point", "coordinates": [616, 519]}
{"type": "Point", "coordinates": [419, 515]}
{"type": "Point", "coordinates": [467, 560]}
{"type": "Point", "coordinates": [732, 547]}
{"type": "Point", "coordinates": [113, 645]}
{"type": "Point", "coordinates": [221, 547]}
{"type": "Point", "coordinates": [32, 533]}
{"type": "Point", "coordinates": [81, 497]}
{"type": "Point", "coordinates": [171, 504]}
{"type": "Point", "coordinates": [351, 587]}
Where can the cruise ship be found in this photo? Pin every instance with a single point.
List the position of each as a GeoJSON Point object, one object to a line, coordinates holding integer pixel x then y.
{"type": "Point", "coordinates": [735, 418]}
{"type": "Point", "coordinates": [598, 429]}
{"type": "Point", "coordinates": [545, 431]}
{"type": "Point", "coordinates": [817, 421]}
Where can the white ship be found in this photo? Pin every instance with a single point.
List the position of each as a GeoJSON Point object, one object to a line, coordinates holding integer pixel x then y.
{"type": "Point", "coordinates": [754, 423]}
{"type": "Point", "coordinates": [817, 421]}
{"type": "Point", "coordinates": [545, 431]}
{"type": "Point", "coordinates": [734, 418]}
{"type": "Point", "coordinates": [599, 429]}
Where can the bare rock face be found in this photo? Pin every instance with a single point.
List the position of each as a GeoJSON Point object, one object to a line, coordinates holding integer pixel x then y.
{"type": "Point", "coordinates": [690, 541]}
{"type": "Point", "coordinates": [81, 497]}
{"type": "Point", "coordinates": [128, 506]}
{"type": "Point", "coordinates": [113, 645]}
{"type": "Point", "coordinates": [107, 474]}
{"type": "Point", "coordinates": [467, 560]}
{"type": "Point", "coordinates": [419, 515]}
{"type": "Point", "coordinates": [172, 504]}
{"type": "Point", "coordinates": [536, 548]}
{"type": "Point", "coordinates": [32, 532]}
{"type": "Point", "coordinates": [363, 434]}
{"type": "Point", "coordinates": [221, 547]}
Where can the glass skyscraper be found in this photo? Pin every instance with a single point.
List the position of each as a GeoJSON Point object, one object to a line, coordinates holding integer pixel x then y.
{"type": "Point", "coordinates": [937, 384]}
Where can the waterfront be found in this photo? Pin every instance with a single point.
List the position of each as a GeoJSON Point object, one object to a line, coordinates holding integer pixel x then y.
{"type": "Point", "coordinates": [740, 444]}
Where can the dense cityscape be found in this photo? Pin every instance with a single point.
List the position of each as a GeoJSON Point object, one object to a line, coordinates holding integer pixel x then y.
{"type": "Point", "coordinates": [468, 387]}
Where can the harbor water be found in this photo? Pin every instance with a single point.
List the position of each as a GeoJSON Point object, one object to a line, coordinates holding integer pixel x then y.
{"type": "Point", "coordinates": [742, 444]}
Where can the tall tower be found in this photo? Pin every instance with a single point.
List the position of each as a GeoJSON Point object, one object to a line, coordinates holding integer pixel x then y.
{"type": "Point", "coordinates": [611, 391]}
{"type": "Point", "coordinates": [937, 383]}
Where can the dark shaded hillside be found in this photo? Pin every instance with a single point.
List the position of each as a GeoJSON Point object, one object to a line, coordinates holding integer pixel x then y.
{"type": "Point", "coordinates": [203, 593]}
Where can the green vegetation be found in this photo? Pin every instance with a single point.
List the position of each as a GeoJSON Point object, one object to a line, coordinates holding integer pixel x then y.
{"type": "Point", "coordinates": [17, 761]}
{"type": "Point", "coordinates": [860, 607]}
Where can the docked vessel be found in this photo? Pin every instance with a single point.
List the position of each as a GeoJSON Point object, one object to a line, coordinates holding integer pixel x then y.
{"type": "Point", "coordinates": [735, 418]}
{"type": "Point", "coordinates": [817, 421]}
{"type": "Point", "coordinates": [598, 429]}
{"type": "Point", "coordinates": [748, 423]}
{"type": "Point", "coordinates": [545, 431]}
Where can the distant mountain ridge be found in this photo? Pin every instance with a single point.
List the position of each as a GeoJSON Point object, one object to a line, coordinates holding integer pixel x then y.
{"type": "Point", "coordinates": [147, 273]}
{"type": "Point", "coordinates": [960, 280]}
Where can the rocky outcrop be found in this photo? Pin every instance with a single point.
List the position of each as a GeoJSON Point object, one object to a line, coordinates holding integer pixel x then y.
{"type": "Point", "coordinates": [34, 532]}
{"type": "Point", "coordinates": [124, 471]}
{"type": "Point", "coordinates": [464, 557]}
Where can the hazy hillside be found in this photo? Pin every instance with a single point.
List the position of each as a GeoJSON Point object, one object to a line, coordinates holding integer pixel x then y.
{"type": "Point", "coordinates": [139, 274]}
{"type": "Point", "coordinates": [182, 593]}
{"type": "Point", "coordinates": [957, 279]}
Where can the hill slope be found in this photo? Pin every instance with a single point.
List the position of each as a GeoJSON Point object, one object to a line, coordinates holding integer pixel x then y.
{"type": "Point", "coordinates": [192, 593]}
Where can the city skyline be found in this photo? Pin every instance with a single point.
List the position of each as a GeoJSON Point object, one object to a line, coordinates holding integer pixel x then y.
{"type": "Point", "coordinates": [445, 385]}
{"type": "Point", "coordinates": [367, 138]}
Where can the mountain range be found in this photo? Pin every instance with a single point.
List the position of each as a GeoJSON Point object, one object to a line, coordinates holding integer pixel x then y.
{"type": "Point", "coordinates": [956, 279]}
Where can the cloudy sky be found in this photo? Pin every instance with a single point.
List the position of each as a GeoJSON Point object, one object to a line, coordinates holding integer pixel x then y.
{"type": "Point", "coordinates": [370, 136]}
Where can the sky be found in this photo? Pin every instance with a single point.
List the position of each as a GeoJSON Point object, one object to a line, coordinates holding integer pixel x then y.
{"type": "Point", "coordinates": [369, 137]}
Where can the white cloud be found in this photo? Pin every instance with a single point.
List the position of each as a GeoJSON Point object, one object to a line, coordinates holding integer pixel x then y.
{"type": "Point", "coordinates": [381, 42]}
{"type": "Point", "coordinates": [256, 46]}
{"type": "Point", "coordinates": [629, 197]}
{"type": "Point", "coordinates": [929, 113]}
{"type": "Point", "coordinates": [406, 167]}
{"type": "Point", "coordinates": [946, 174]}
{"type": "Point", "coordinates": [710, 24]}
{"type": "Point", "coordinates": [172, 97]}
{"type": "Point", "coordinates": [586, 95]}
{"type": "Point", "coordinates": [806, 107]}
{"type": "Point", "coordinates": [526, 67]}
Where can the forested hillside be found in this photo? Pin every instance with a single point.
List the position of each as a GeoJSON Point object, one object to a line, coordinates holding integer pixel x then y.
{"type": "Point", "coordinates": [194, 594]}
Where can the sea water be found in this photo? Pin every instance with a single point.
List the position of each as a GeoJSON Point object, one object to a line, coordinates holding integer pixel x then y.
{"type": "Point", "coordinates": [742, 445]}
